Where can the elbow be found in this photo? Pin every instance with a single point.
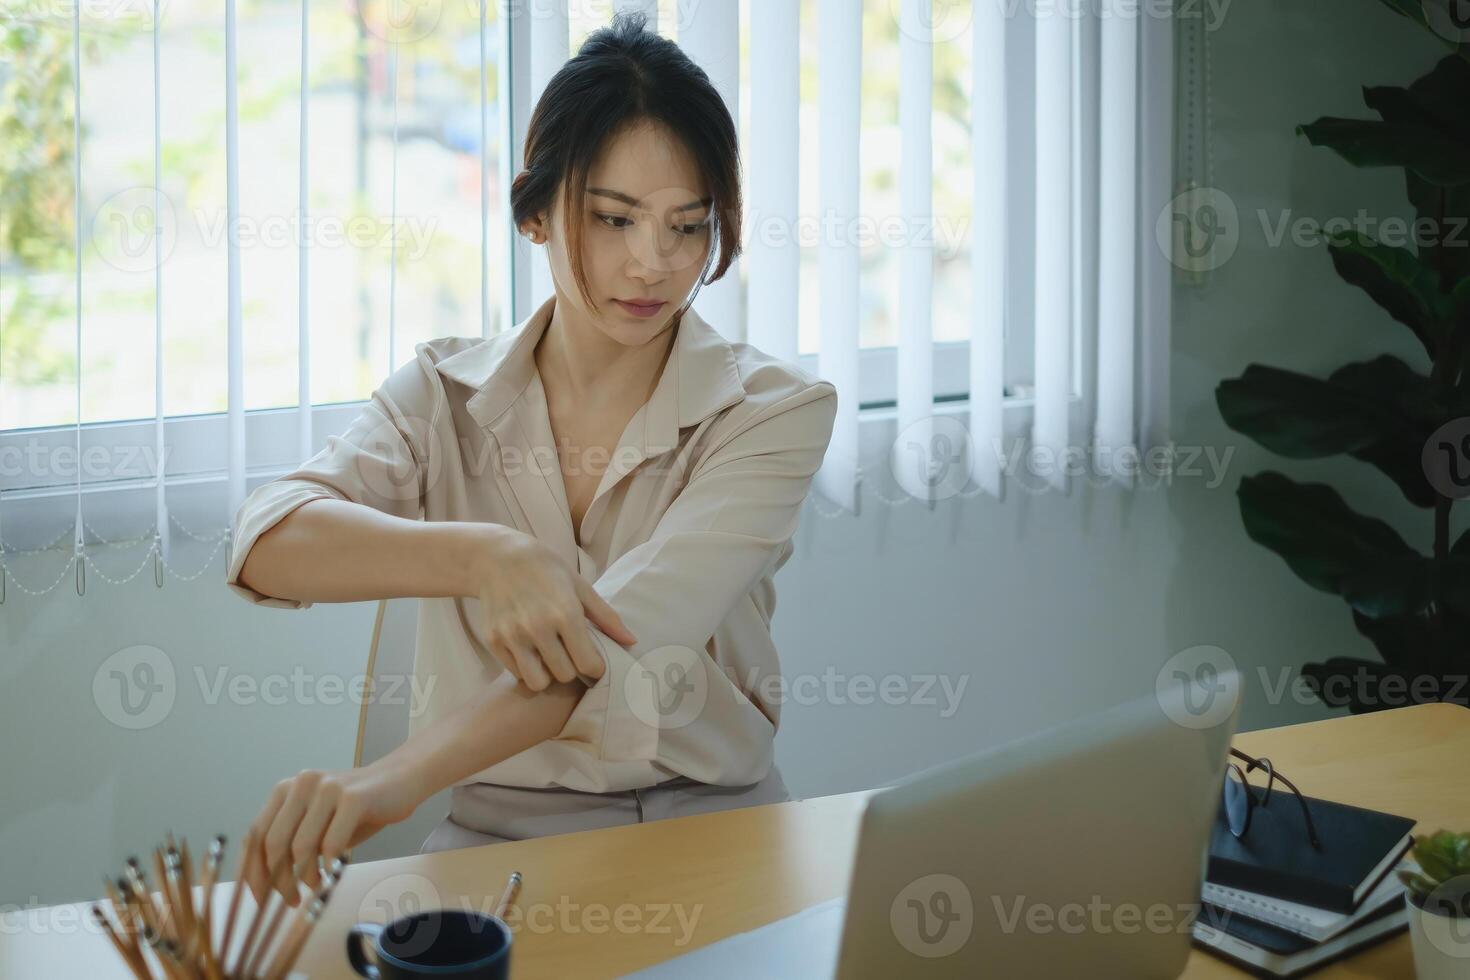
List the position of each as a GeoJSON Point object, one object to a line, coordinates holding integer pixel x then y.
{"type": "Point", "coordinates": [259, 570]}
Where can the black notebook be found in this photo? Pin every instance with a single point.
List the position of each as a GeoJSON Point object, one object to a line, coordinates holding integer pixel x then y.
{"type": "Point", "coordinates": [1275, 952]}
{"type": "Point", "coordinates": [1274, 858]}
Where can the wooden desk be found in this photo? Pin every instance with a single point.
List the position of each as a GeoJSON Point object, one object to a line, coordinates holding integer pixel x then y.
{"type": "Point", "coordinates": [602, 903]}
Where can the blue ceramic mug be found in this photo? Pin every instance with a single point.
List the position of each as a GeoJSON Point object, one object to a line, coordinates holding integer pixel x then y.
{"type": "Point", "coordinates": [445, 944]}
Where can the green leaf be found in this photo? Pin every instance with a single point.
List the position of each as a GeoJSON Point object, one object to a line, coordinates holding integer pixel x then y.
{"type": "Point", "coordinates": [1434, 155]}
{"type": "Point", "coordinates": [1417, 883]}
{"type": "Point", "coordinates": [1396, 280]}
{"type": "Point", "coordinates": [1406, 397]}
{"type": "Point", "coordinates": [1337, 680]}
{"type": "Point", "coordinates": [1447, 211]}
{"type": "Point", "coordinates": [1331, 547]}
{"type": "Point", "coordinates": [1441, 93]}
{"type": "Point", "coordinates": [1376, 410]}
{"type": "Point", "coordinates": [1300, 416]}
{"type": "Point", "coordinates": [1400, 640]}
{"type": "Point", "coordinates": [1431, 856]}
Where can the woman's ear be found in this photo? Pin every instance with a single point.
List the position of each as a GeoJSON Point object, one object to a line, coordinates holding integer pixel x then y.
{"type": "Point", "coordinates": [532, 230]}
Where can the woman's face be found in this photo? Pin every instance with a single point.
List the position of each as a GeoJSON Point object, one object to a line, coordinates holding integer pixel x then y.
{"type": "Point", "coordinates": [646, 234]}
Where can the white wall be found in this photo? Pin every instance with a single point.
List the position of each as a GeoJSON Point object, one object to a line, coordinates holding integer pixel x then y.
{"type": "Point", "coordinates": [1050, 606]}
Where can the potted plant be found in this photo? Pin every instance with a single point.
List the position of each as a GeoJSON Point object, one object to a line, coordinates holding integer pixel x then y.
{"type": "Point", "coordinates": [1438, 897]}
{"type": "Point", "coordinates": [1411, 421]}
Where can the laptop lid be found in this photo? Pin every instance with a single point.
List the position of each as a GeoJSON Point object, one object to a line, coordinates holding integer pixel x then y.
{"type": "Point", "coordinates": [1076, 851]}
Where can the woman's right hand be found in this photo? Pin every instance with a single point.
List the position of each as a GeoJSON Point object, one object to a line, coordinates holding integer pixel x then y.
{"type": "Point", "coordinates": [537, 610]}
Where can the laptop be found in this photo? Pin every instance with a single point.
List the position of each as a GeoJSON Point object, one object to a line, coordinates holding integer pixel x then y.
{"type": "Point", "coordinates": [1076, 851]}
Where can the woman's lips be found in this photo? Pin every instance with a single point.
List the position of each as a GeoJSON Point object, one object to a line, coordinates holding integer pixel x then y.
{"type": "Point", "coordinates": [640, 309]}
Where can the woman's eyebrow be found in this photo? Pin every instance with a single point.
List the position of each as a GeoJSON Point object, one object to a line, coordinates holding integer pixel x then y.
{"type": "Point", "coordinates": [628, 199]}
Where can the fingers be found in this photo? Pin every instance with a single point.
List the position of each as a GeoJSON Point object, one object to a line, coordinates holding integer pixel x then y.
{"type": "Point", "coordinates": [554, 655]}
{"type": "Point", "coordinates": [252, 858]}
{"type": "Point", "coordinates": [345, 829]}
{"type": "Point", "coordinates": [531, 672]}
{"type": "Point", "coordinates": [306, 845]}
{"type": "Point", "coordinates": [586, 658]}
{"type": "Point", "coordinates": [507, 659]}
{"type": "Point", "coordinates": [300, 794]}
{"type": "Point", "coordinates": [604, 616]}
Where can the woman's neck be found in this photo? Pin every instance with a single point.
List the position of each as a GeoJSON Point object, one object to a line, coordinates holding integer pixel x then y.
{"type": "Point", "coordinates": [591, 369]}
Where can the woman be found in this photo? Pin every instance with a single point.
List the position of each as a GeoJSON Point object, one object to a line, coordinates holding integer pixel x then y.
{"type": "Point", "coordinates": [591, 507]}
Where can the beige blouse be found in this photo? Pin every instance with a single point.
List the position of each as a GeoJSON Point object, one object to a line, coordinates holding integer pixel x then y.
{"type": "Point", "coordinates": [693, 517]}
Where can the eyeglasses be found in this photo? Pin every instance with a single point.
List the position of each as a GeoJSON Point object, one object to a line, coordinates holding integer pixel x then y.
{"type": "Point", "coordinates": [1241, 800]}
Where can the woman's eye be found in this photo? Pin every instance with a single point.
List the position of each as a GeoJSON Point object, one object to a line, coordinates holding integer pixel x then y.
{"type": "Point", "coordinates": [608, 220]}
{"type": "Point", "coordinates": [692, 229]}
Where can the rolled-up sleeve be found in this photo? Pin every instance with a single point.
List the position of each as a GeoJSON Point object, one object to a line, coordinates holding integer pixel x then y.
{"type": "Point", "coordinates": [383, 460]}
{"type": "Point", "coordinates": [665, 699]}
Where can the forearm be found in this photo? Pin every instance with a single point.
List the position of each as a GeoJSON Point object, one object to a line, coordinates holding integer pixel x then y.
{"type": "Point", "coordinates": [339, 551]}
{"type": "Point", "coordinates": [497, 723]}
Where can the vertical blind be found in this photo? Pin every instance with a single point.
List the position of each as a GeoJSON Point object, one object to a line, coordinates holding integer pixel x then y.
{"type": "Point", "coordinates": [1069, 115]}
{"type": "Point", "coordinates": [1070, 148]}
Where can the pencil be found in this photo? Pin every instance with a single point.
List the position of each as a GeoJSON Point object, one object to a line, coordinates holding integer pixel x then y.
{"type": "Point", "coordinates": [330, 877]}
{"type": "Point", "coordinates": [248, 943]}
{"type": "Point", "coordinates": [157, 943]}
{"type": "Point", "coordinates": [246, 849]}
{"type": "Point", "coordinates": [186, 887]}
{"type": "Point", "coordinates": [183, 895]}
{"type": "Point", "coordinates": [296, 939]}
{"type": "Point", "coordinates": [252, 967]}
{"type": "Point", "coordinates": [141, 900]}
{"type": "Point", "coordinates": [206, 918]}
{"type": "Point", "coordinates": [129, 922]}
{"type": "Point", "coordinates": [167, 918]}
{"type": "Point", "coordinates": [139, 968]}
{"type": "Point", "coordinates": [509, 895]}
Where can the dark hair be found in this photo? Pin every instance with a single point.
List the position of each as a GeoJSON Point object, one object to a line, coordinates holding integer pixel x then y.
{"type": "Point", "coordinates": [622, 75]}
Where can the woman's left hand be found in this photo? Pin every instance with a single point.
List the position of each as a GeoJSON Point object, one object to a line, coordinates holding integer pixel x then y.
{"type": "Point", "coordinates": [318, 815]}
